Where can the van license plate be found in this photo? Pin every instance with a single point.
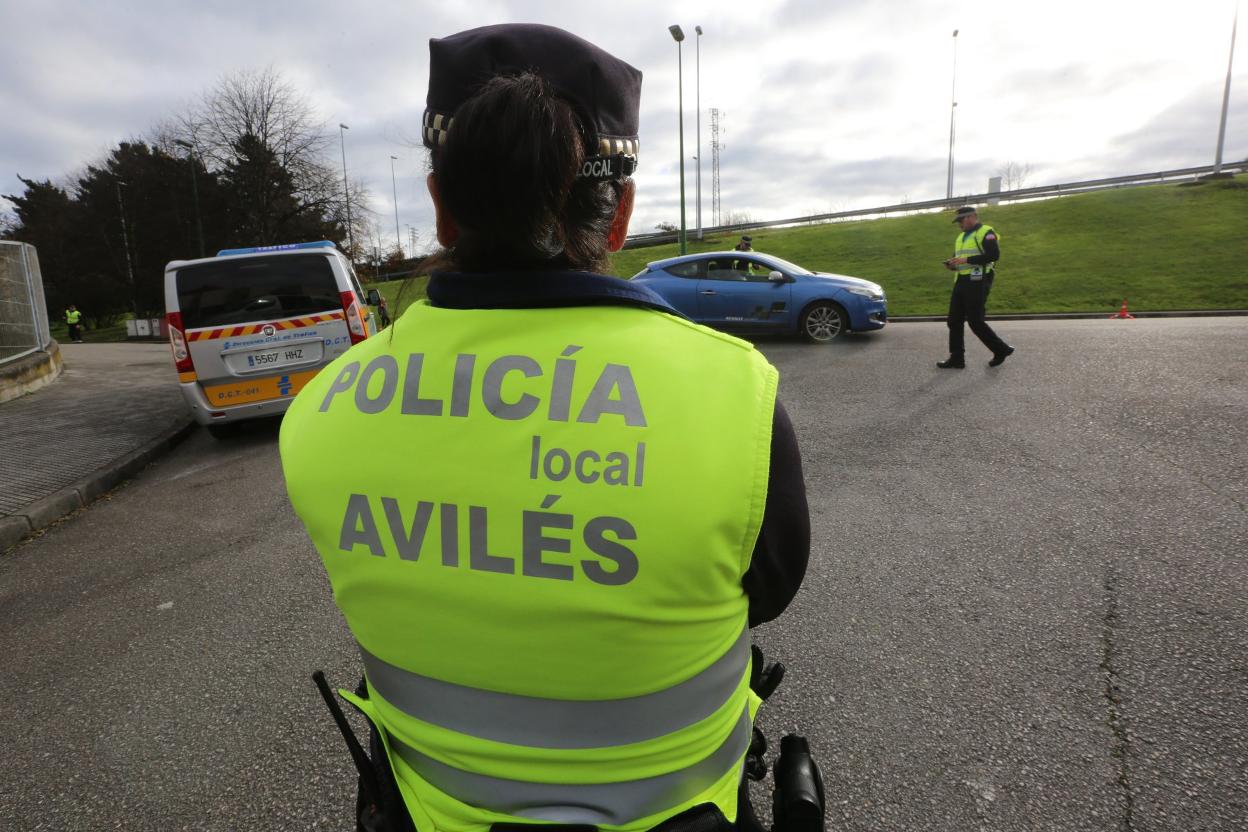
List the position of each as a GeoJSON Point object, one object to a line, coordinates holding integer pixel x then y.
{"type": "Point", "coordinates": [274, 359]}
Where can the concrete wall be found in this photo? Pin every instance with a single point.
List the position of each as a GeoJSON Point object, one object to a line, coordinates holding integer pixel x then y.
{"type": "Point", "coordinates": [30, 372]}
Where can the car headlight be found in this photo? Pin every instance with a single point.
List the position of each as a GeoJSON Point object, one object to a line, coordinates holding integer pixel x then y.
{"type": "Point", "coordinates": [871, 293]}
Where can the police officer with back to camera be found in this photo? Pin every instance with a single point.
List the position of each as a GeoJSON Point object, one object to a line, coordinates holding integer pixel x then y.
{"type": "Point", "coordinates": [553, 573]}
{"type": "Point", "coordinates": [976, 250]}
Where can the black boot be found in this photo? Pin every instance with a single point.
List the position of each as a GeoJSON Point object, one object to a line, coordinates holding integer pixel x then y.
{"type": "Point", "coordinates": [999, 357]}
{"type": "Point", "coordinates": [953, 362]}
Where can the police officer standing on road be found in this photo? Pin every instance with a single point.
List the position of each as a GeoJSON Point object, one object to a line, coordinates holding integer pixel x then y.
{"type": "Point", "coordinates": [73, 319]}
{"type": "Point", "coordinates": [976, 251]}
{"type": "Point", "coordinates": [552, 571]}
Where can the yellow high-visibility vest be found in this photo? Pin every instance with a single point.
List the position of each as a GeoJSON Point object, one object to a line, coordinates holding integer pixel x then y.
{"type": "Point", "coordinates": [970, 244]}
{"type": "Point", "coordinates": [541, 560]}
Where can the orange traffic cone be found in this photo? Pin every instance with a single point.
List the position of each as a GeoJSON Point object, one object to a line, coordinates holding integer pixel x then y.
{"type": "Point", "coordinates": [1122, 313]}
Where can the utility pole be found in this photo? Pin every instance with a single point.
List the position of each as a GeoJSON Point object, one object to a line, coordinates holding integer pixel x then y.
{"type": "Point", "coordinates": [199, 224]}
{"type": "Point", "coordinates": [715, 148]}
{"type": "Point", "coordinates": [342, 136]}
{"type": "Point", "coordinates": [698, 101]}
{"type": "Point", "coordinates": [678, 35]}
{"type": "Point", "coordinates": [125, 244]}
{"type": "Point", "coordinates": [953, 108]}
{"type": "Point", "coordinates": [398, 241]}
{"type": "Point", "coordinates": [1226, 96]}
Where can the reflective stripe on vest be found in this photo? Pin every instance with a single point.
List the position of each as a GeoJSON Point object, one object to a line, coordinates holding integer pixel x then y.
{"type": "Point", "coordinates": [589, 803]}
{"type": "Point", "coordinates": [971, 244]}
{"type": "Point", "coordinates": [554, 723]}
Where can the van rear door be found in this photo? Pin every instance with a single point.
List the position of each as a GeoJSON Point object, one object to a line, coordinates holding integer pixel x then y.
{"type": "Point", "coordinates": [260, 327]}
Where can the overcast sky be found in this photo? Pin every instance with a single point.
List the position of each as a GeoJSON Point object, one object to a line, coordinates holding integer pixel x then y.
{"type": "Point", "coordinates": [825, 105]}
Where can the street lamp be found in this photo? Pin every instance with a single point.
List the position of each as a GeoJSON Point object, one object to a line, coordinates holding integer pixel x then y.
{"type": "Point", "coordinates": [398, 241]}
{"type": "Point", "coordinates": [342, 136]}
{"type": "Point", "coordinates": [125, 244]}
{"type": "Point", "coordinates": [698, 52]}
{"type": "Point", "coordinates": [953, 103]}
{"type": "Point", "coordinates": [199, 224]}
{"type": "Point", "coordinates": [1226, 96]}
{"type": "Point", "coordinates": [679, 36]}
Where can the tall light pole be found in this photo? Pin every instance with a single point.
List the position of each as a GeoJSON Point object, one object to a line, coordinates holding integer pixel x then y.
{"type": "Point", "coordinates": [398, 241]}
{"type": "Point", "coordinates": [342, 136]}
{"type": "Point", "coordinates": [953, 105]}
{"type": "Point", "coordinates": [199, 224]}
{"type": "Point", "coordinates": [698, 52]}
{"type": "Point", "coordinates": [125, 244]}
{"type": "Point", "coordinates": [679, 36]}
{"type": "Point", "coordinates": [1226, 96]}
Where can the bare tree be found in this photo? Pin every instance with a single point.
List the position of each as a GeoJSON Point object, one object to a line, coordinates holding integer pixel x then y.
{"type": "Point", "coordinates": [254, 109]}
{"type": "Point", "coordinates": [1014, 175]}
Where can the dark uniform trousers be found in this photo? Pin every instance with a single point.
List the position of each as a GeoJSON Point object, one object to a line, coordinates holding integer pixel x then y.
{"type": "Point", "coordinates": [966, 305]}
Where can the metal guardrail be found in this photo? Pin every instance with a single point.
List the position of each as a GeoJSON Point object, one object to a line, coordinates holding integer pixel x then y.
{"type": "Point", "coordinates": [23, 309]}
{"type": "Point", "coordinates": [1040, 192]}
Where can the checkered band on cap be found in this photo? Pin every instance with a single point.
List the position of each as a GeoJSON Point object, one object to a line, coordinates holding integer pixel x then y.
{"type": "Point", "coordinates": [437, 125]}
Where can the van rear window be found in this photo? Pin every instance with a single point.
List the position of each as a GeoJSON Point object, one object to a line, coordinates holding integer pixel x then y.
{"type": "Point", "coordinates": [240, 290]}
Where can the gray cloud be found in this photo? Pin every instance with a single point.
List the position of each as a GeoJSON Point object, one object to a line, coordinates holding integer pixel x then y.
{"type": "Point", "coordinates": [1185, 134]}
{"type": "Point", "coordinates": [864, 87]}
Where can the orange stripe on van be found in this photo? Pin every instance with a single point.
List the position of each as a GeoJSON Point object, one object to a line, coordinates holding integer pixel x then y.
{"type": "Point", "coordinates": [211, 334]}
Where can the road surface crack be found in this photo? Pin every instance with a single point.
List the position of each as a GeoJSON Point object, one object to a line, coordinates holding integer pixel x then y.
{"type": "Point", "coordinates": [1121, 750]}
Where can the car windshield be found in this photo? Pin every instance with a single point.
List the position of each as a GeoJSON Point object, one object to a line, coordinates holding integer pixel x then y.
{"type": "Point", "coordinates": [785, 265]}
{"type": "Point", "coordinates": [256, 288]}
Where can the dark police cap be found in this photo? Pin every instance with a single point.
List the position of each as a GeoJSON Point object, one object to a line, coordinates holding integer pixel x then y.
{"type": "Point", "coordinates": [604, 91]}
{"type": "Point", "coordinates": [964, 211]}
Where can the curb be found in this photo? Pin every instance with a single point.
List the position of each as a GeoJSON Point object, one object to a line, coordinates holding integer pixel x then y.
{"type": "Point", "coordinates": [46, 511]}
{"type": "Point", "coordinates": [1074, 316]}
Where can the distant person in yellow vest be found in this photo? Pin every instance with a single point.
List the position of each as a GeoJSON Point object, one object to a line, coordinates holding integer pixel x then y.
{"type": "Point", "coordinates": [553, 567]}
{"type": "Point", "coordinates": [73, 319]}
{"type": "Point", "coordinates": [976, 250]}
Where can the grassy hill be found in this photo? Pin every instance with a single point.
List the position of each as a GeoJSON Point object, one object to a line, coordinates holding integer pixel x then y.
{"type": "Point", "coordinates": [1164, 247]}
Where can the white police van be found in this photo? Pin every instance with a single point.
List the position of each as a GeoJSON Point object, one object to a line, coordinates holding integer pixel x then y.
{"type": "Point", "coordinates": [251, 326]}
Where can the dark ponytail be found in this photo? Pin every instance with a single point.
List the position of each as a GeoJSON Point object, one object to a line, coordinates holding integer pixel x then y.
{"type": "Point", "coordinates": [507, 177]}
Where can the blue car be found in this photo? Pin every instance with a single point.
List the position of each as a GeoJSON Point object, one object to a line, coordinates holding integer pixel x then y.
{"type": "Point", "coordinates": [751, 292]}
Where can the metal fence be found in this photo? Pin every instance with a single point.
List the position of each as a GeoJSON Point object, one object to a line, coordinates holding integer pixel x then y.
{"type": "Point", "coordinates": [23, 309]}
{"type": "Point", "coordinates": [1019, 195]}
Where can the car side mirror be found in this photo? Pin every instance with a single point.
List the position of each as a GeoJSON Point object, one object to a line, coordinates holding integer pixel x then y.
{"type": "Point", "coordinates": [374, 297]}
{"type": "Point", "coordinates": [777, 277]}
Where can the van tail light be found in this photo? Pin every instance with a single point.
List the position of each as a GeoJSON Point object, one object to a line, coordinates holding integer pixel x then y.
{"type": "Point", "coordinates": [355, 317]}
{"type": "Point", "coordinates": [177, 340]}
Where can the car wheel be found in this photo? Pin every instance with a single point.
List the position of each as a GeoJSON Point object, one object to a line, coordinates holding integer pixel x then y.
{"type": "Point", "coordinates": [225, 430]}
{"type": "Point", "coordinates": [823, 322]}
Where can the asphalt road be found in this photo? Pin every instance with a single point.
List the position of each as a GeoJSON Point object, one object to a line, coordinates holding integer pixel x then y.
{"type": "Point", "coordinates": [1025, 607]}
